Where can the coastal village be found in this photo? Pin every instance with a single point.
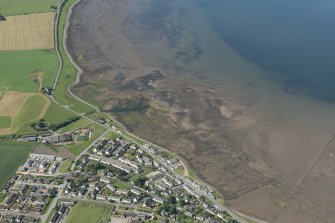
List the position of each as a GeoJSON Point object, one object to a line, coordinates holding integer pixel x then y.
{"type": "Point", "coordinates": [142, 184]}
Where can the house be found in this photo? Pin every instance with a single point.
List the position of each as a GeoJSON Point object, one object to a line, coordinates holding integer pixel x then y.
{"type": "Point", "coordinates": [55, 218]}
{"type": "Point", "coordinates": [121, 191]}
{"type": "Point", "coordinates": [134, 191]}
{"type": "Point", "coordinates": [158, 200]}
{"type": "Point", "coordinates": [114, 198]}
{"type": "Point", "coordinates": [65, 138]}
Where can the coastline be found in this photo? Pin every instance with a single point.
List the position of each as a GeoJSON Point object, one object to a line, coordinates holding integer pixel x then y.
{"type": "Point", "coordinates": [281, 134]}
{"type": "Point", "coordinates": [125, 131]}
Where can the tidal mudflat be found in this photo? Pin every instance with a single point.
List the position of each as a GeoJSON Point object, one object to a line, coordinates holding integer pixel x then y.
{"type": "Point", "coordinates": [160, 69]}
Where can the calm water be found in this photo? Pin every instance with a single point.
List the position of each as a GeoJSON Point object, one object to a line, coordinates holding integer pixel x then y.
{"type": "Point", "coordinates": [293, 38]}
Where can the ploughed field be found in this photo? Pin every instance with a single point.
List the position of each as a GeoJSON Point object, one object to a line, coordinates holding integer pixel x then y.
{"type": "Point", "coordinates": [247, 137]}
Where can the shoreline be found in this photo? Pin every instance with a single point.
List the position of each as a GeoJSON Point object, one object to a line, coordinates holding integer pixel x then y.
{"type": "Point", "coordinates": [80, 71]}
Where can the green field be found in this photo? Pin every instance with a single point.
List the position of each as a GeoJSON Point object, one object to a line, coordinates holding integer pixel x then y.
{"type": "Point", "coordinates": [75, 125]}
{"type": "Point", "coordinates": [90, 213]}
{"type": "Point", "coordinates": [17, 68]}
{"type": "Point", "coordinates": [65, 166]}
{"type": "Point", "coordinates": [56, 114]}
{"type": "Point", "coordinates": [31, 111]}
{"type": "Point", "coordinates": [76, 148]}
{"type": "Point", "coordinates": [5, 122]}
{"type": "Point", "coordinates": [16, 7]}
{"type": "Point", "coordinates": [13, 154]}
{"type": "Point", "coordinates": [68, 72]}
{"type": "Point", "coordinates": [112, 135]}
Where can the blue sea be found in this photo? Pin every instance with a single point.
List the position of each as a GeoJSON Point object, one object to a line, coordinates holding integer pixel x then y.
{"type": "Point", "coordinates": [291, 40]}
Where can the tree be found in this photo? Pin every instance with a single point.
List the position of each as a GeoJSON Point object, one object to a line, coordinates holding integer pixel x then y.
{"type": "Point", "coordinates": [140, 181]}
{"type": "Point", "coordinates": [2, 18]}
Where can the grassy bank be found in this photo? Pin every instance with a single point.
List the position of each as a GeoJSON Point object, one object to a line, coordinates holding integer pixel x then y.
{"type": "Point", "coordinates": [68, 72]}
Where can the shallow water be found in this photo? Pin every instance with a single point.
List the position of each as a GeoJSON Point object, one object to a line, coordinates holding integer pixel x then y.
{"type": "Point", "coordinates": [294, 39]}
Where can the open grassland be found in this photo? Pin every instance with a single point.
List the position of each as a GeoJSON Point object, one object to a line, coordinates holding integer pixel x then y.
{"type": "Point", "coordinates": [17, 7]}
{"type": "Point", "coordinates": [5, 122]}
{"type": "Point", "coordinates": [56, 114]}
{"type": "Point", "coordinates": [76, 148]}
{"type": "Point", "coordinates": [17, 68]}
{"type": "Point", "coordinates": [27, 32]}
{"type": "Point", "coordinates": [33, 109]}
{"type": "Point", "coordinates": [90, 213]}
{"type": "Point", "coordinates": [10, 105]}
{"type": "Point", "coordinates": [68, 72]}
{"type": "Point", "coordinates": [13, 154]}
{"type": "Point", "coordinates": [65, 166]}
{"type": "Point", "coordinates": [75, 125]}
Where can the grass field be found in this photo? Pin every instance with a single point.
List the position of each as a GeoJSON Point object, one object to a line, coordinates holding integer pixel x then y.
{"type": "Point", "coordinates": [33, 109]}
{"type": "Point", "coordinates": [17, 67]}
{"type": "Point", "coordinates": [65, 166]}
{"type": "Point", "coordinates": [17, 7]}
{"type": "Point", "coordinates": [56, 114]}
{"type": "Point", "coordinates": [13, 154]}
{"type": "Point", "coordinates": [90, 213]}
{"type": "Point", "coordinates": [68, 72]}
{"type": "Point", "coordinates": [27, 32]}
{"type": "Point", "coordinates": [75, 125]}
{"type": "Point", "coordinates": [76, 148]}
{"type": "Point", "coordinates": [5, 122]}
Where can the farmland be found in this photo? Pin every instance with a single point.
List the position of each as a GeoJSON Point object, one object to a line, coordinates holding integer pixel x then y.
{"type": "Point", "coordinates": [33, 109]}
{"type": "Point", "coordinates": [12, 155]}
{"type": "Point", "coordinates": [12, 102]}
{"type": "Point", "coordinates": [17, 7]}
{"type": "Point", "coordinates": [5, 122]}
{"type": "Point", "coordinates": [90, 213]}
{"type": "Point", "coordinates": [18, 76]}
{"type": "Point", "coordinates": [56, 114]}
{"type": "Point", "coordinates": [26, 32]}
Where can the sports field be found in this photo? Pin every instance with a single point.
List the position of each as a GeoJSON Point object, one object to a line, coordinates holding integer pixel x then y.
{"type": "Point", "coordinates": [26, 32]}
{"type": "Point", "coordinates": [17, 68]}
{"type": "Point", "coordinates": [13, 154]}
{"type": "Point", "coordinates": [16, 7]}
{"type": "Point", "coordinates": [90, 213]}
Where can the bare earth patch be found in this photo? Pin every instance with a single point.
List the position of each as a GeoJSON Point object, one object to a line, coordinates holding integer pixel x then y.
{"type": "Point", "coordinates": [26, 32]}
